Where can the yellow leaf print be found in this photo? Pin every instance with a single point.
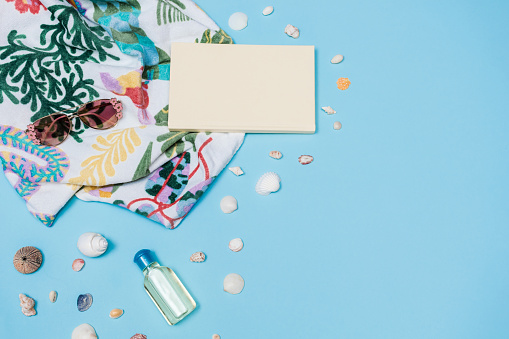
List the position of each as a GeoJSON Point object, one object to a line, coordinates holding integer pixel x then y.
{"type": "Point", "coordinates": [112, 150]}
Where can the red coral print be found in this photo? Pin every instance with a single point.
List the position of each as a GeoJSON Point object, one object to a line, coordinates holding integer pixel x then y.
{"type": "Point", "coordinates": [23, 6]}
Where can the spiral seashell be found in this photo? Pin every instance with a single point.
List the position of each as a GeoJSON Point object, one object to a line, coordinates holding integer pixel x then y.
{"type": "Point", "coordinates": [306, 159]}
{"type": "Point", "coordinates": [337, 125]}
{"type": "Point", "coordinates": [84, 331]}
{"type": "Point", "coordinates": [228, 204]}
{"type": "Point", "coordinates": [233, 283]}
{"type": "Point", "coordinates": [197, 257]}
{"type": "Point", "coordinates": [337, 59]}
{"type": "Point", "coordinates": [236, 244]}
{"type": "Point", "coordinates": [53, 296]}
{"type": "Point", "coordinates": [328, 110]}
{"type": "Point", "coordinates": [27, 305]}
{"type": "Point", "coordinates": [27, 260]}
{"type": "Point", "coordinates": [92, 244]}
{"type": "Point", "coordinates": [236, 170]}
{"type": "Point", "coordinates": [268, 183]}
{"type": "Point", "coordinates": [78, 264]}
{"type": "Point", "coordinates": [275, 154]}
{"type": "Point", "coordinates": [292, 31]}
{"type": "Point", "coordinates": [268, 10]}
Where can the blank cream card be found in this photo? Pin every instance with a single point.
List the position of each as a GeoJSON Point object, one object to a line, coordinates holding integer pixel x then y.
{"type": "Point", "coordinates": [242, 88]}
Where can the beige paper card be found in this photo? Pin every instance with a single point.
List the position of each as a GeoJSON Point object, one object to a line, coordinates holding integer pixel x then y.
{"type": "Point", "coordinates": [242, 88]}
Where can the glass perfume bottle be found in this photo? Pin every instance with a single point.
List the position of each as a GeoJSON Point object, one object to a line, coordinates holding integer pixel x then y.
{"type": "Point", "coordinates": [164, 288]}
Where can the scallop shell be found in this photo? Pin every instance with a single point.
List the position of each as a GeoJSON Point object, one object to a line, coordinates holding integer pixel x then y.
{"type": "Point", "coordinates": [27, 260]}
{"type": "Point", "coordinates": [83, 331]}
{"type": "Point", "coordinates": [92, 244]}
{"type": "Point", "coordinates": [53, 296]}
{"type": "Point", "coordinates": [238, 21]}
{"type": "Point", "coordinates": [268, 10]}
{"type": "Point", "coordinates": [305, 159]}
{"type": "Point", "coordinates": [337, 59]}
{"type": "Point", "coordinates": [116, 313]}
{"type": "Point", "coordinates": [139, 336]}
{"type": "Point", "coordinates": [228, 204]}
{"type": "Point", "coordinates": [236, 244]}
{"type": "Point", "coordinates": [236, 170]}
{"type": "Point", "coordinates": [78, 264]}
{"type": "Point", "coordinates": [328, 110]}
{"type": "Point", "coordinates": [233, 283]}
{"type": "Point", "coordinates": [337, 125]}
{"type": "Point", "coordinates": [343, 83]}
{"type": "Point", "coordinates": [84, 302]}
{"type": "Point", "coordinates": [275, 154]}
{"type": "Point", "coordinates": [268, 183]}
{"type": "Point", "coordinates": [27, 305]}
{"type": "Point", "coordinates": [292, 31]}
{"type": "Point", "coordinates": [197, 257]}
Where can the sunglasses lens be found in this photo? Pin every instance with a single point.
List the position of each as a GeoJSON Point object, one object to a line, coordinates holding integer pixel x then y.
{"type": "Point", "coordinates": [53, 129]}
{"type": "Point", "coordinates": [99, 114]}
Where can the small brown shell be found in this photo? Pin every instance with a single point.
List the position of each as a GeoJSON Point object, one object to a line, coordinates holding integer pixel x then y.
{"type": "Point", "coordinates": [139, 336]}
{"type": "Point", "coordinates": [275, 154]}
{"type": "Point", "coordinates": [116, 313]}
{"type": "Point", "coordinates": [305, 159]}
{"type": "Point", "coordinates": [27, 260]}
{"type": "Point", "coordinates": [78, 264]}
{"type": "Point", "coordinates": [197, 257]}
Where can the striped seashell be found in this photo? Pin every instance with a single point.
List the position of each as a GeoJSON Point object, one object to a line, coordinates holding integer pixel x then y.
{"type": "Point", "coordinates": [328, 110]}
{"type": "Point", "coordinates": [275, 154]}
{"type": "Point", "coordinates": [306, 159]}
{"type": "Point", "coordinates": [27, 260]}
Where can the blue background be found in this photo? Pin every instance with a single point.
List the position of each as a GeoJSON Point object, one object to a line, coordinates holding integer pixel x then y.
{"type": "Point", "coordinates": [398, 229]}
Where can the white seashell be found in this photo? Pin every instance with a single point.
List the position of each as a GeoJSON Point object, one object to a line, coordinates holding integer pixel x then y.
{"type": "Point", "coordinates": [292, 31]}
{"type": "Point", "coordinates": [236, 244]}
{"type": "Point", "coordinates": [92, 244]}
{"type": "Point", "coordinates": [268, 10]}
{"type": "Point", "coordinates": [27, 305]}
{"type": "Point", "coordinates": [275, 154]}
{"type": "Point", "coordinates": [337, 125]}
{"type": "Point", "coordinates": [238, 21]}
{"type": "Point", "coordinates": [197, 257]}
{"type": "Point", "coordinates": [337, 59]}
{"type": "Point", "coordinates": [268, 183]}
{"type": "Point", "coordinates": [233, 283]}
{"type": "Point", "coordinates": [216, 336]}
{"type": "Point", "coordinates": [84, 331]}
{"type": "Point", "coordinates": [236, 170]}
{"type": "Point", "coordinates": [305, 159]}
{"type": "Point", "coordinates": [328, 110]}
{"type": "Point", "coordinates": [53, 296]}
{"type": "Point", "coordinates": [228, 204]}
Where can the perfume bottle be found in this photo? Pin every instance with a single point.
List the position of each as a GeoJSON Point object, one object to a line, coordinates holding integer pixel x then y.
{"type": "Point", "coordinates": [164, 288]}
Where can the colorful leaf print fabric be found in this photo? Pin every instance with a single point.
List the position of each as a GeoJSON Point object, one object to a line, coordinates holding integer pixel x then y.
{"type": "Point", "coordinates": [55, 55]}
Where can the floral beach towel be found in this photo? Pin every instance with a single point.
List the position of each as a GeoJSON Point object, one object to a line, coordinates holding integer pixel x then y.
{"type": "Point", "coordinates": [55, 55]}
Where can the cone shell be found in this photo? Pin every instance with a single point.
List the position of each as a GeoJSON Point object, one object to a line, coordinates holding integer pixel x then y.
{"type": "Point", "coordinates": [306, 159]}
{"type": "Point", "coordinates": [116, 313]}
{"type": "Point", "coordinates": [328, 110]}
{"type": "Point", "coordinates": [233, 283]}
{"type": "Point", "coordinates": [236, 170]}
{"type": "Point", "coordinates": [236, 244]}
{"type": "Point", "coordinates": [197, 257]}
{"type": "Point", "coordinates": [275, 154]}
{"type": "Point", "coordinates": [78, 264]}
{"type": "Point", "coordinates": [27, 305]}
{"type": "Point", "coordinates": [27, 260]}
{"type": "Point", "coordinates": [268, 183]}
{"type": "Point", "coordinates": [292, 31]}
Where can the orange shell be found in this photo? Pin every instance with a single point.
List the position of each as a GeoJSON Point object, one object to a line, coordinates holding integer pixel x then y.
{"type": "Point", "coordinates": [343, 83]}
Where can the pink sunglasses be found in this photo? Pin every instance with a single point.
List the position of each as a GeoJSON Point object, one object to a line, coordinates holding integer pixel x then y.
{"type": "Point", "coordinates": [53, 129]}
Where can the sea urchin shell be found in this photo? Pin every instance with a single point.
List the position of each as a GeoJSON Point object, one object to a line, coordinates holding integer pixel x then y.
{"type": "Point", "coordinates": [27, 260]}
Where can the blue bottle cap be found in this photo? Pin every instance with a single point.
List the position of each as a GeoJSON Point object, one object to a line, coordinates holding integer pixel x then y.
{"type": "Point", "coordinates": [143, 258]}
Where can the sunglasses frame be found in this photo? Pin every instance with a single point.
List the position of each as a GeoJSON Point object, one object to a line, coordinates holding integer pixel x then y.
{"type": "Point", "coordinates": [117, 105]}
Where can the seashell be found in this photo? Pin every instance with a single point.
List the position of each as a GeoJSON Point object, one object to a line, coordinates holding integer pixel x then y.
{"type": "Point", "coordinates": [84, 302]}
{"type": "Point", "coordinates": [197, 257]}
{"type": "Point", "coordinates": [83, 331]}
{"type": "Point", "coordinates": [92, 244]}
{"type": "Point", "coordinates": [292, 31]}
{"type": "Point", "coordinates": [328, 110]}
{"type": "Point", "coordinates": [78, 264]}
{"type": "Point", "coordinates": [305, 159]}
{"type": "Point", "coordinates": [27, 305]}
{"type": "Point", "coordinates": [275, 154]}
{"type": "Point", "coordinates": [216, 336]}
{"type": "Point", "coordinates": [228, 204]}
{"type": "Point", "coordinates": [238, 21]}
{"type": "Point", "coordinates": [233, 283]}
{"type": "Point", "coordinates": [337, 59]}
{"type": "Point", "coordinates": [27, 260]}
{"type": "Point", "coordinates": [116, 313]}
{"type": "Point", "coordinates": [53, 296]}
{"type": "Point", "coordinates": [337, 125]}
{"type": "Point", "coordinates": [343, 83]}
{"type": "Point", "coordinates": [268, 10]}
{"type": "Point", "coordinates": [236, 244]}
{"type": "Point", "coordinates": [268, 183]}
{"type": "Point", "coordinates": [139, 336]}
{"type": "Point", "coordinates": [236, 170]}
